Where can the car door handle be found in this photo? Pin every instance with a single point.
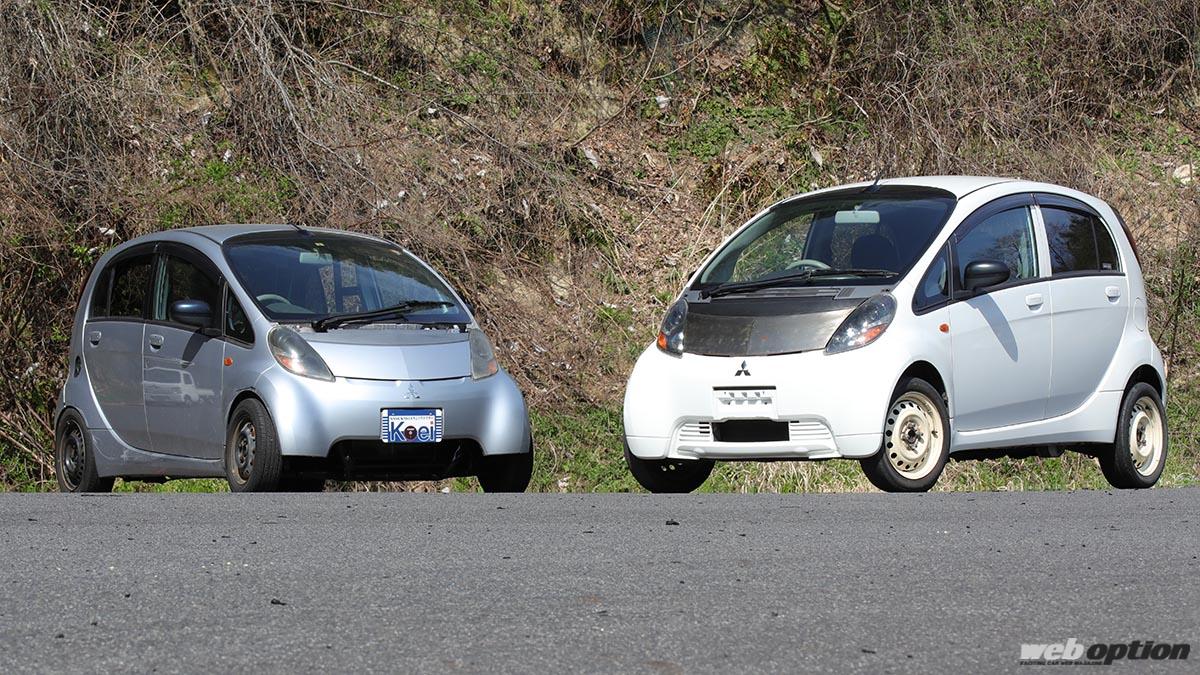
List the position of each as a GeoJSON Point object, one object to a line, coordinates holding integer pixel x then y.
{"type": "Point", "coordinates": [156, 341]}
{"type": "Point", "coordinates": [1112, 292]}
{"type": "Point", "coordinates": [1034, 300]}
{"type": "Point", "coordinates": [94, 337]}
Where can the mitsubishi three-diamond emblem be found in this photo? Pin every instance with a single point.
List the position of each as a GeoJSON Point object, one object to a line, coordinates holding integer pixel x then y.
{"type": "Point", "coordinates": [742, 371]}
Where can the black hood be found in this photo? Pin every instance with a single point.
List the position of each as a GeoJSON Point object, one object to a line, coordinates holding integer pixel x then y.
{"type": "Point", "coordinates": [782, 321]}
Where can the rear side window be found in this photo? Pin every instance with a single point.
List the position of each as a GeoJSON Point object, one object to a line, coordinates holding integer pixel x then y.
{"type": "Point", "coordinates": [1005, 237]}
{"type": "Point", "coordinates": [130, 286]}
{"type": "Point", "coordinates": [1079, 242]}
{"type": "Point", "coordinates": [182, 280]}
{"type": "Point", "coordinates": [99, 304]}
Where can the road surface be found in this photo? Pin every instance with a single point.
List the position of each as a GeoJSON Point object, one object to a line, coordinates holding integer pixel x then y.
{"type": "Point", "coordinates": [656, 584]}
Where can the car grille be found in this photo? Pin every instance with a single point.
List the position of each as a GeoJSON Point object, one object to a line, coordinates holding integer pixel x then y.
{"type": "Point", "coordinates": [365, 459]}
{"type": "Point", "coordinates": [754, 431]}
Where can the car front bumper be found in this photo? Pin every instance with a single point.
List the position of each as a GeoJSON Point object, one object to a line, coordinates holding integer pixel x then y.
{"type": "Point", "coordinates": [311, 416]}
{"type": "Point", "coordinates": [833, 406]}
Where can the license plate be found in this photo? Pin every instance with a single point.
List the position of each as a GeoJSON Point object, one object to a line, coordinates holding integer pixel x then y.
{"type": "Point", "coordinates": [410, 425]}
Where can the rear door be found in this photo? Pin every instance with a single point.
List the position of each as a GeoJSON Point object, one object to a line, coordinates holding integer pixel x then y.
{"type": "Point", "coordinates": [112, 345]}
{"type": "Point", "coordinates": [1000, 337]}
{"type": "Point", "coordinates": [183, 368]}
{"type": "Point", "coordinates": [1090, 297]}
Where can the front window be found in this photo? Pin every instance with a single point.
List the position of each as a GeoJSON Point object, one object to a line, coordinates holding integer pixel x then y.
{"type": "Point", "coordinates": [304, 277]}
{"type": "Point", "coordinates": [836, 236]}
{"type": "Point", "coordinates": [1006, 237]}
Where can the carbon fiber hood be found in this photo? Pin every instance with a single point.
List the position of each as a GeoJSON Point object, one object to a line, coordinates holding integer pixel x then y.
{"type": "Point", "coordinates": [785, 321]}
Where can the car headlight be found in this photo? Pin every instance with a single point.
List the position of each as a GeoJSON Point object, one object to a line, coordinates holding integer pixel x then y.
{"type": "Point", "coordinates": [670, 335]}
{"type": "Point", "coordinates": [483, 359]}
{"type": "Point", "coordinates": [296, 355]}
{"type": "Point", "coordinates": [864, 325]}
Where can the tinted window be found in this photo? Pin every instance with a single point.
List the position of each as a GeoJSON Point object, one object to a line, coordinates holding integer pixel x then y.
{"type": "Point", "coordinates": [99, 304]}
{"type": "Point", "coordinates": [1106, 249]}
{"type": "Point", "coordinates": [1072, 240]}
{"type": "Point", "coordinates": [935, 285]}
{"type": "Point", "coordinates": [237, 325]}
{"type": "Point", "coordinates": [1006, 237]}
{"type": "Point", "coordinates": [182, 280]}
{"type": "Point", "coordinates": [130, 286]}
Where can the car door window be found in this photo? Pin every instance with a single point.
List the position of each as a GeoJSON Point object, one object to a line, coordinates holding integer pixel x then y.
{"type": "Point", "coordinates": [130, 286]}
{"type": "Point", "coordinates": [180, 279]}
{"type": "Point", "coordinates": [1006, 237]}
{"type": "Point", "coordinates": [1079, 242]}
{"type": "Point", "coordinates": [1072, 240]}
{"type": "Point", "coordinates": [237, 324]}
{"type": "Point", "coordinates": [934, 288]}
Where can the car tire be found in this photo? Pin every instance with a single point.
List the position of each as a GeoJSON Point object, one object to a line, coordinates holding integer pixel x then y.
{"type": "Point", "coordinates": [916, 440]}
{"type": "Point", "coordinates": [506, 473]}
{"type": "Point", "coordinates": [668, 476]}
{"type": "Point", "coordinates": [75, 457]}
{"type": "Point", "coordinates": [1139, 452]}
{"type": "Point", "coordinates": [252, 458]}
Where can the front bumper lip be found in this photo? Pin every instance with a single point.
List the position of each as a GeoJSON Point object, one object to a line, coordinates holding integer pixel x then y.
{"type": "Point", "coordinates": [312, 415]}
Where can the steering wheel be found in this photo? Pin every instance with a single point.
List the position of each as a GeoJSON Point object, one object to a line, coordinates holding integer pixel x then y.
{"type": "Point", "coordinates": [808, 262]}
{"type": "Point", "coordinates": [272, 297]}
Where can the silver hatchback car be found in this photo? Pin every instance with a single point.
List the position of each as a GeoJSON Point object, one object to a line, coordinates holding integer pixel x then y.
{"type": "Point", "coordinates": [279, 357]}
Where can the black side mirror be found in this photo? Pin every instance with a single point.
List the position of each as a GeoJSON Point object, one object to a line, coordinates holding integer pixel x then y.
{"type": "Point", "coordinates": [982, 274]}
{"type": "Point", "coordinates": [191, 313]}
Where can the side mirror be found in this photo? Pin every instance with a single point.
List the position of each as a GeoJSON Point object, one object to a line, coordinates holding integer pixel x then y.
{"type": "Point", "coordinates": [195, 313]}
{"type": "Point", "coordinates": [981, 274]}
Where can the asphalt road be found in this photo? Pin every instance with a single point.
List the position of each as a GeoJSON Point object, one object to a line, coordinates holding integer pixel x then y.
{"type": "Point", "coordinates": [660, 584]}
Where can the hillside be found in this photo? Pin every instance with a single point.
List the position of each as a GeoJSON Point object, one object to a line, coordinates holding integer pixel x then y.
{"type": "Point", "coordinates": [566, 164]}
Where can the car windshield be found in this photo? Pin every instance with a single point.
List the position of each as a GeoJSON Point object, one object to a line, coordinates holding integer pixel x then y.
{"type": "Point", "coordinates": [305, 277]}
{"type": "Point", "coordinates": [840, 238]}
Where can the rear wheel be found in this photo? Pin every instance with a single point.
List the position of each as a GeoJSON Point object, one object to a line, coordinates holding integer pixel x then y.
{"type": "Point", "coordinates": [506, 473]}
{"type": "Point", "coordinates": [252, 459]}
{"type": "Point", "coordinates": [74, 457]}
{"type": "Point", "coordinates": [668, 475]}
{"type": "Point", "coordinates": [1138, 456]}
{"type": "Point", "coordinates": [916, 440]}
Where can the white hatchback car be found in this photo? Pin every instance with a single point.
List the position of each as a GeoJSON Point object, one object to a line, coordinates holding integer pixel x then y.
{"type": "Point", "coordinates": [902, 321]}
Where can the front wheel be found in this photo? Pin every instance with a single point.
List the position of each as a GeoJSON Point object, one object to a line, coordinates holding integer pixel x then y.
{"type": "Point", "coordinates": [252, 459]}
{"type": "Point", "coordinates": [506, 473]}
{"type": "Point", "coordinates": [75, 458]}
{"type": "Point", "coordinates": [1138, 456]}
{"type": "Point", "coordinates": [916, 440]}
{"type": "Point", "coordinates": [668, 475]}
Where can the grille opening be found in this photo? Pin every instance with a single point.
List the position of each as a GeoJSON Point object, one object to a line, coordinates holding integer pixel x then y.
{"type": "Point", "coordinates": [364, 459]}
{"type": "Point", "coordinates": [750, 431]}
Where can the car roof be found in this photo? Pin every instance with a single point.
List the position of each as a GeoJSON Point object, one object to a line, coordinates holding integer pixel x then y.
{"type": "Point", "coordinates": [959, 186]}
{"type": "Point", "coordinates": [222, 233]}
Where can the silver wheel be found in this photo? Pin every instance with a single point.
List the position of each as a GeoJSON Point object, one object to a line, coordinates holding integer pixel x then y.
{"type": "Point", "coordinates": [244, 443]}
{"type": "Point", "coordinates": [1145, 440]}
{"type": "Point", "coordinates": [913, 436]}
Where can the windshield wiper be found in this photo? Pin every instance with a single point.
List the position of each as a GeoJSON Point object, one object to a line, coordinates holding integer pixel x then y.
{"type": "Point", "coordinates": [788, 279]}
{"type": "Point", "coordinates": [334, 320]}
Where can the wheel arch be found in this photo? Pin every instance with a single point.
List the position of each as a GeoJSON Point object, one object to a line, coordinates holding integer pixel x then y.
{"type": "Point", "coordinates": [1148, 374]}
{"type": "Point", "coordinates": [242, 396]}
{"type": "Point", "coordinates": [928, 372]}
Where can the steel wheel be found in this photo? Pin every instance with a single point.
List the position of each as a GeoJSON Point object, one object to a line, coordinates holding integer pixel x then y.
{"type": "Point", "coordinates": [913, 435]}
{"type": "Point", "coordinates": [245, 443]}
{"type": "Point", "coordinates": [74, 455]}
{"type": "Point", "coordinates": [1145, 440]}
